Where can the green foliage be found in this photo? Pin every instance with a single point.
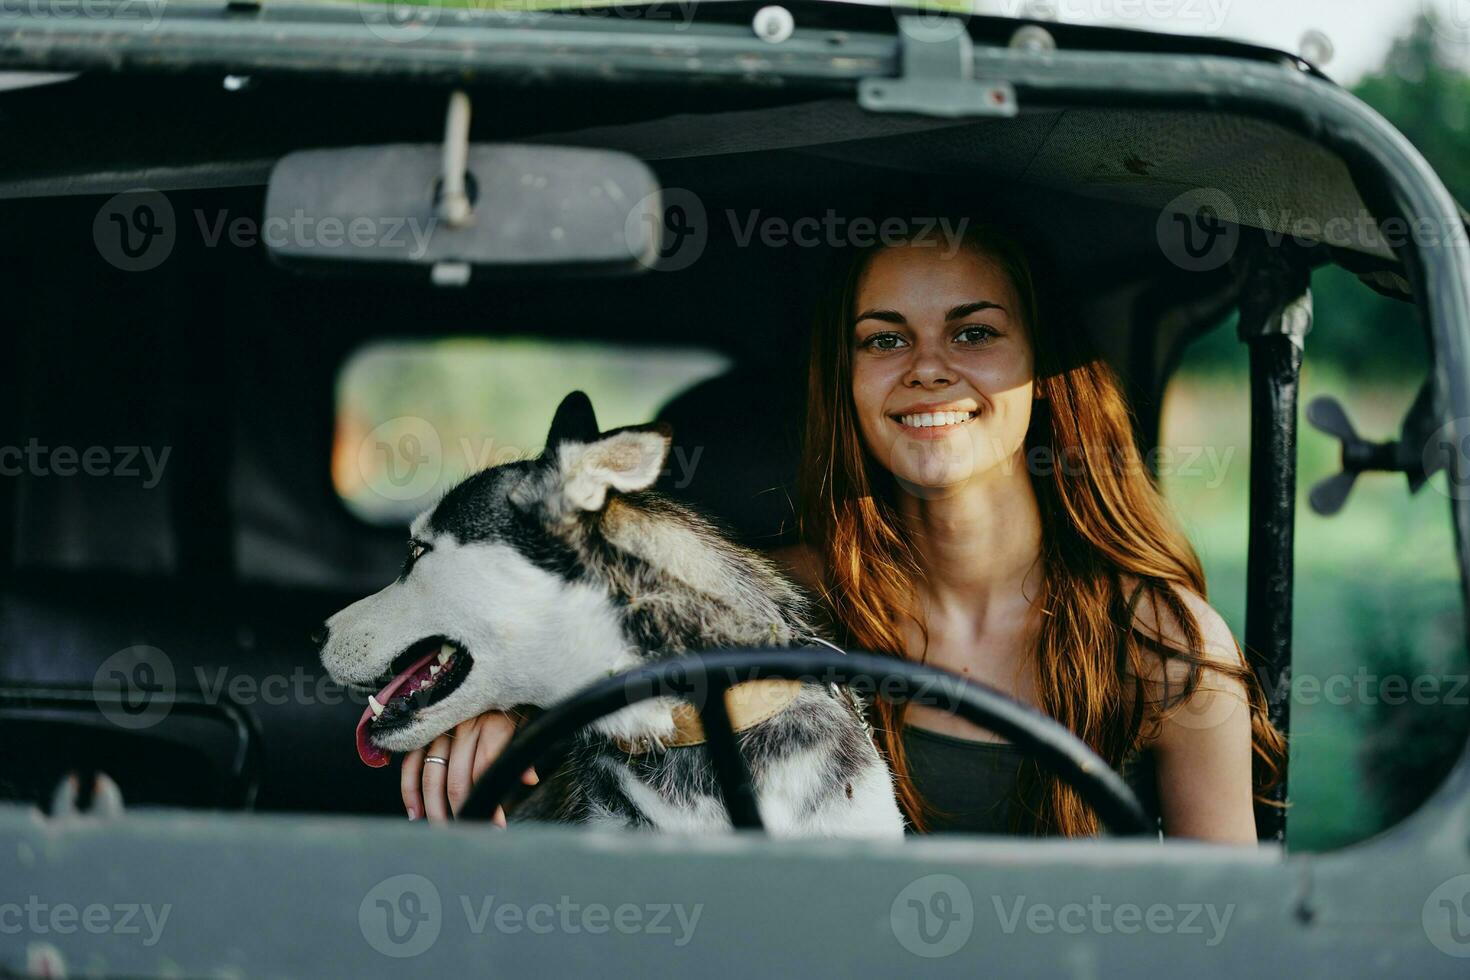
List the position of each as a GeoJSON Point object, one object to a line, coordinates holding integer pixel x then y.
{"type": "Point", "coordinates": [1426, 96]}
{"type": "Point", "coordinates": [1410, 739]}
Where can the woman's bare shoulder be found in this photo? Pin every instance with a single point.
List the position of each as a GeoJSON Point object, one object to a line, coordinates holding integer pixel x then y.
{"type": "Point", "coordinates": [802, 563]}
{"type": "Point", "coordinates": [1157, 620]}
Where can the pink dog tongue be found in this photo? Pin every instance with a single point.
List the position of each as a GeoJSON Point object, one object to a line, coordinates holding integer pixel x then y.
{"type": "Point", "coordinates": [369, 753]}
{"type": "Point", "coordinates": [366, 750]}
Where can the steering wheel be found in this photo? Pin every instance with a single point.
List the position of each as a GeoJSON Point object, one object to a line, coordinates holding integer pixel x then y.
{"type": "Point", "coordinates": [703, 679]}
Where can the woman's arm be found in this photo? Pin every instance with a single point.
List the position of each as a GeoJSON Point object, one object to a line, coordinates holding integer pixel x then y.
{"type": "Point", "coordinates": [1204, 746]}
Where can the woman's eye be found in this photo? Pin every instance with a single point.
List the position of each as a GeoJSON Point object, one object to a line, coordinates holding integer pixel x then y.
{"type": "Point", "coordinates": [977, 334]}
{"type": "Point", "coordinates": [883, 341]}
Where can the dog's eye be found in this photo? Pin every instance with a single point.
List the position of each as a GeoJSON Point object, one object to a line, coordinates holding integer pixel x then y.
{"type": "Point", "coordinates": [416, 551]}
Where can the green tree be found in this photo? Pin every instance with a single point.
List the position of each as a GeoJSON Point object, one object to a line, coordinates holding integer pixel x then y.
{"type": "Point", "coordinates": [1422, 90]}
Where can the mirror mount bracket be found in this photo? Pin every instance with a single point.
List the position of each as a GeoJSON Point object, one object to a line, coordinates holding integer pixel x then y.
{"type": "Point", "coordinates": [937, 75]}
{"type": "Point", "coordinates": [455, 208]}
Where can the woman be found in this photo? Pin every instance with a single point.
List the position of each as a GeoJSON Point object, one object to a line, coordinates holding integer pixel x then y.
{"type": "Point", "coordinates": [972, 498]}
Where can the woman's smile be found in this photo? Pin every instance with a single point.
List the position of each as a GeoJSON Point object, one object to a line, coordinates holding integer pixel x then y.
{"type": "Point", "coordinates": [933, 421]}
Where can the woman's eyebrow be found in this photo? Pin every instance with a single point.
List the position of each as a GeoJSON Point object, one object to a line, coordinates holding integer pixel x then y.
{"type": "Point", "coordinates": [965, 309]}
{"type": "Point", "coordinates": [887, 316]}
{"type": "Point", "coordinates": [955, 313]}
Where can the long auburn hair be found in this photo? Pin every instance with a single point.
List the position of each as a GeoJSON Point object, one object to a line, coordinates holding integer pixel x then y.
{"type": "Point", "coordinates": [1102, 519]}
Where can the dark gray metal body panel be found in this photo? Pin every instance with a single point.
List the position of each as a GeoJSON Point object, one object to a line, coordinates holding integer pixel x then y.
{"type": "Point", "coordinates": [279, 896]}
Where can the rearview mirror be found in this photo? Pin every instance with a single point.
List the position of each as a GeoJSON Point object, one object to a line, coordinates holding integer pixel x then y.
{"type": "Point", "coordinates": [552, 209]}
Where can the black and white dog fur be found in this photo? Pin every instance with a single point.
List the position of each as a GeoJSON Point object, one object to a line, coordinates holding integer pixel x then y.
{"type": "Point", "coordinates": [541, 576]}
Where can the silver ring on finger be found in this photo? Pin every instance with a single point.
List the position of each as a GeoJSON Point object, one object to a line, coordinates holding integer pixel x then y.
{"type": "Point", "coordinates": [437, 759]}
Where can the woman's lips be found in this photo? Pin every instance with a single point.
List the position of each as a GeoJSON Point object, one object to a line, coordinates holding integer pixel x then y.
{"type": "Point", "coordinates": [932, 431]}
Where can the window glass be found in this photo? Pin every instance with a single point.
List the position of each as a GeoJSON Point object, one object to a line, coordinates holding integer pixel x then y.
{"type": "Point", "coordinates": [416, 417]}
{"type": "Point", "coordinates": [1379, 695]}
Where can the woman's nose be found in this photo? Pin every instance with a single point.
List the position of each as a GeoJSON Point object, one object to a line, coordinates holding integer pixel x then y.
{"type": "Point", "coordinates": [928, 368]}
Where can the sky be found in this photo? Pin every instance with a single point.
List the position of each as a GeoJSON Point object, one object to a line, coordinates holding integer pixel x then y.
{"type": "Point", "coordinates": [1361, 31]}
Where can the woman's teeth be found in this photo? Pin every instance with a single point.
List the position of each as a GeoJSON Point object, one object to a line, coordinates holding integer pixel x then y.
{"type": "Point", "coordinates": [925, 420]}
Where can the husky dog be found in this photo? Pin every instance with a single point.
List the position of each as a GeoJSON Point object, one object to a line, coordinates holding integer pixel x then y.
{"type": "Point", "coordinates": [533, 579]}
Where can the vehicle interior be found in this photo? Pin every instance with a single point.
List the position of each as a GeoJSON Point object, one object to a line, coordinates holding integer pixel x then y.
{"type": "Point", "coordinates": [263, 379]}
{"type": "Point", "coordinates": [235, 363]}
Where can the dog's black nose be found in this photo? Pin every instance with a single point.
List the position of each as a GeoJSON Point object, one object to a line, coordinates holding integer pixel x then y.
{"type": "Point", "coordinates": [319, 636]}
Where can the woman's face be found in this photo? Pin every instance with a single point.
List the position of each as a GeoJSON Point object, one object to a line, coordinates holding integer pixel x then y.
{"type": "Point", "coordinates": [942, 375]}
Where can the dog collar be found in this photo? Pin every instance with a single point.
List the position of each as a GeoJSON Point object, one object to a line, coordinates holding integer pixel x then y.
{"type": "Point", "coordinates": [748, 703]}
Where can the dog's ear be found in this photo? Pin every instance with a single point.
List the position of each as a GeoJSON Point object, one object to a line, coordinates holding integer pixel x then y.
{"type": "Point", "coordinates": [574, 421]}
{"type": "Point", "coordinates": [624, 460]}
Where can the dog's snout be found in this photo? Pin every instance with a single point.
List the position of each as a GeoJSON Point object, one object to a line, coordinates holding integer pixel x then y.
{"type": "Point", "coordinates": [319, 635]}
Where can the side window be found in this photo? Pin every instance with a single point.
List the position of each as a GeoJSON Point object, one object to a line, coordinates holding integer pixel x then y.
{"type": "Point", "coordinates": [1380, 705]}
{"type": "Point", "coordinates": [416, 417]}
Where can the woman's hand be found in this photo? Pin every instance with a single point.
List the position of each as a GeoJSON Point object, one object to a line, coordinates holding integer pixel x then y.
{"type": "Point", "coordinates": [437, 790]}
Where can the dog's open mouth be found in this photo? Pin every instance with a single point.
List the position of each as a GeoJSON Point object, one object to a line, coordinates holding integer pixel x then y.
{"type": "Point", "coordinates": [425, 673]}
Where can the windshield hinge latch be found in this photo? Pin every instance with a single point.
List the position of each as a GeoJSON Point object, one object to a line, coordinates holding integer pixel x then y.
{"type": "Point", "coordinates": [937, 75]}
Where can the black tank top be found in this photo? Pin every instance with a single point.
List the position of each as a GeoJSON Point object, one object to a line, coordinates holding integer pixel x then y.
{"type": "Point", "coordinates": [973, 784]}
